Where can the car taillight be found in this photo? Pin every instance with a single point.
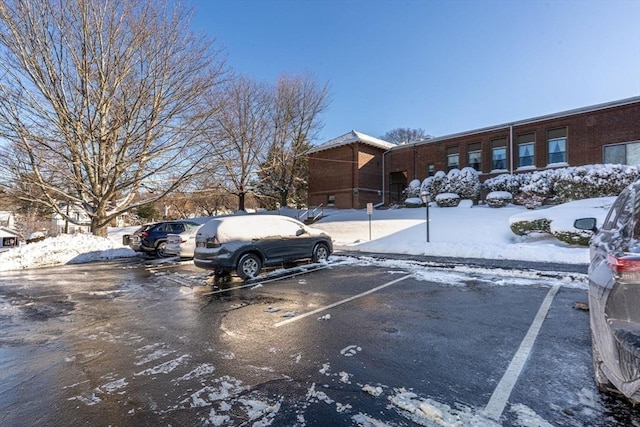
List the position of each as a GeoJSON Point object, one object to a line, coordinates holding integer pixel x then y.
{"type": "Point", "coordinates": [212, 242]}
{"type": "Point", "coordinates": [624, 263]}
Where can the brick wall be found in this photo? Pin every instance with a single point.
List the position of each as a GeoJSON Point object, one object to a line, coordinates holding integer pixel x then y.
{"type": "Point", "coordinates": [587, 134]}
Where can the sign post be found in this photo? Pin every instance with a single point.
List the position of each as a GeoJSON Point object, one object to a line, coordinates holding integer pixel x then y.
{"type": "Point", "coordinates": [369, 212]}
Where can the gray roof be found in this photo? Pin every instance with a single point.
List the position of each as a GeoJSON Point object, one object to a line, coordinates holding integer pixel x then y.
{"type": "Point", "coordinates": [350, 138]}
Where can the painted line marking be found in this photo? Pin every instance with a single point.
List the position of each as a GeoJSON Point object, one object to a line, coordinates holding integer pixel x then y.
{"type": "Point", "coordinates": [344, 301]}
{"type": "Point", "coordinates": [501, 394]}
{"type": "Point", "coordinates": [274, 279]}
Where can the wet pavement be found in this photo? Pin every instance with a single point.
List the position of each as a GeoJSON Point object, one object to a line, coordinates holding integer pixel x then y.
{"type": "Point", "coordinates": [352, 343]}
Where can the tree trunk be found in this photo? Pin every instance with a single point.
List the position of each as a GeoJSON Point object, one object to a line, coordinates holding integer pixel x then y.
{"type": "Point", "coordinates": [97, 230]}
{"type": "Point", "coordinates": [284, 195]}
{"type": "Point", "coordinates": [241, 201]}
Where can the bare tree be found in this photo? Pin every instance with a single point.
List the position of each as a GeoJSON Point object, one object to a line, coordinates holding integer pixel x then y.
{"type": "Point", "coordinates": [405, 135]}
{"type": "Point", "coordinates": [99, 98]}
{"type": "Point", "coordinates": [241, 134]}
{"type": "Point", "coordinates": [298, 102]}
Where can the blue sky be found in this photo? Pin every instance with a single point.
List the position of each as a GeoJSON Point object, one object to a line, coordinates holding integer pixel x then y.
{"type": "Point", "coordinates": [443, 66]}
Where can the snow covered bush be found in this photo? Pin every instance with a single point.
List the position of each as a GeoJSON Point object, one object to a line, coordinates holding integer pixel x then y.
{"type": "Point", "coordinates": [555, 186]}
{"type": "Point", "coordinates": [528, 200]}
{"type": "Point", "coordinates": [440, 183]}
{"type": "Point", "coordinates": [468, 184]}
{"type": "Point", "coordinates": [558, 220]}
{"type": "Point", "coordinates": [508, 182]}
{"type": "Point", "coordinates": [499, 199]}
{"type": "Point", "coordinates": [427, 185]}
{"type": "Point", "coordinates": [447, 200]}
{"type": "Point", "coordinates": [413, 190]}
{"type": "Point", "coordinates": [586, 182]}
{"type": "Point", "coordinates": [413, 202]}
{"type": "Point", "coordinates": [577, 237]}
{"type": "Point", "coordinates": [522, 228]}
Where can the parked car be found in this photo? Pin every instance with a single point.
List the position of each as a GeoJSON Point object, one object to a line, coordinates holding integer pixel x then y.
{"type": "Point", "coordinates": [182, 244]}
{"type": "Point", "coordinates": [614, 294]}
{"type": "Point", "coordinates": [245, 244]}
{"type": "Point", "coordinates": [152, 238]}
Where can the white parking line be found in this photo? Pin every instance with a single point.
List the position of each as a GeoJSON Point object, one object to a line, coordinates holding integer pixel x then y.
{"type": "Point", "coordinates": [335, 304]}
{"type": "Point", "coordinates": [501, 394]}
{"type": "Point", "coordinates": [297, 272]}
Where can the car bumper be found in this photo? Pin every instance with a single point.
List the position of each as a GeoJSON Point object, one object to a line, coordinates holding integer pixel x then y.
{"type": "Point", "coordinates": [615, 320]}
{"type": "Point", "coordinates": [179, 252]}
{"type": "Point", "coordinates": [213, 259]}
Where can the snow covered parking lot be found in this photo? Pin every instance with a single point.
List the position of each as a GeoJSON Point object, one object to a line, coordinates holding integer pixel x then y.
{"type": "Point", "coordinates": [356, 342]}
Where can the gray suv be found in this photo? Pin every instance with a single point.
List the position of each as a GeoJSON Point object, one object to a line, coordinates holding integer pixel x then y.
{"type": "Point", "coordinates": [245, 244]}
{"type": "Point", "coordinates": [614, 294]}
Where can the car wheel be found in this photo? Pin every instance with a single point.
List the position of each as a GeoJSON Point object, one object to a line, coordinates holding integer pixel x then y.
{"type": "Point", "coordinates": [320, 253]}
{"type": "Point", "coordinates": [160, 249]}
{"type": "Point", "coordinates": [249, 266]}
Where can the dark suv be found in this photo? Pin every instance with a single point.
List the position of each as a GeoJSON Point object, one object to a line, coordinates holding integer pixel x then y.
{"type": "Point", "coordinates": [614, 294]}
{"type": "Point", "coordinates": [152, 238]}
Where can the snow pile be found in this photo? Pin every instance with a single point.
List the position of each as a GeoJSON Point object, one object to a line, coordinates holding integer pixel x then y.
{"type": "Point", "coordinates": [64, 249]}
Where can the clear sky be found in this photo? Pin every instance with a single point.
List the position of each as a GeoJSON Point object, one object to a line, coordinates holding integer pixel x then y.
{"type": "Point", "coordinates": [443, 66]}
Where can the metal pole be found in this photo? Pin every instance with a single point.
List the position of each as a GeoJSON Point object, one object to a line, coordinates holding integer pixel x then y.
{"type": "Point", "coordinates": [427, 220]}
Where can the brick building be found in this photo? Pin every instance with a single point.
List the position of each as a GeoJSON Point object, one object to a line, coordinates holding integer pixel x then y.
{"type": "Point", "coordinates": [346, 172]}
{"type": "Point", "coordinates": [355, 169]}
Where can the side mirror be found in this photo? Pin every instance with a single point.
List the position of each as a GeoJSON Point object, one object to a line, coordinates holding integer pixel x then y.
{"type": "Point", "coordinates": [300, 232]}
{"type": "Point", "coordinates": [586, 224]}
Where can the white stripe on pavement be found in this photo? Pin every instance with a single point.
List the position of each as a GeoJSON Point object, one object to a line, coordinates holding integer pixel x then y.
{"type": "Point", "coordinates": [501, 394]}
{"type": "Point", "coordinates": [335, 304]}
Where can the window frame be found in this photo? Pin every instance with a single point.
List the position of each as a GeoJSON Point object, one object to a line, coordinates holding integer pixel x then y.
{"type": "Point", "coordinates": [494, 160]}
{"type": "Point", "coordinates": [475, 150]}
{"type": "Point", "coordinates": [620, 145]}
{"type": "Point", "coordinates": [554, 136]}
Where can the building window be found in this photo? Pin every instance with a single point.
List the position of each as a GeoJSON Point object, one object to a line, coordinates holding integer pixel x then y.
{"type": "Point", "coordinates": [499, 154]}
{"type": "Point", "coordinates": [331, 200]}
{"type": "Point", "coordinates": [452, 161]}
{"type": "Point", "coordinates": [557, 146]}
{"type": "Point", "coordinates": [431, 170]}
{"type": "Point", "coordinates": [499, 158]}
{"type": "Point", "coordinates": [474, 156]}
{"type": "Point", "coordinates": [622, 154]}
{"type": "Point", "coordinates": [453, 158]}
{"type": "Point", "coordinates": [526, 150]}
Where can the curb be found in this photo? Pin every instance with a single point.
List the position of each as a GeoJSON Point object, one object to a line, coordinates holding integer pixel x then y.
{"type": "Point", "coordinates": [449, 262]}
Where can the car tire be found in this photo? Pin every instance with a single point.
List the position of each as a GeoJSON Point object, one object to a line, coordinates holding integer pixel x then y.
{"type": "Point", "coordinates": [248, 266]}
{"type": "Point", "coordinates": [160, 249]}
{"type": "Point", "coordinates": [320, 253]}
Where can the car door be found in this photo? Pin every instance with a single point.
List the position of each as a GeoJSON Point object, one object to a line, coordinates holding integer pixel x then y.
{"type": "Point", "coordinates": [284, 242]}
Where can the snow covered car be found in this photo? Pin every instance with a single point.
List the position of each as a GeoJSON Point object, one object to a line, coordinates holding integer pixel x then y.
{"type": "Point", "coordinates": [614, 294]}
{"type": "Point", "coordinates": [152, 238]}
{"type": "Point", "coordinates": [247, 243]}
{"type": "Point", "coordinates": [182, 244]}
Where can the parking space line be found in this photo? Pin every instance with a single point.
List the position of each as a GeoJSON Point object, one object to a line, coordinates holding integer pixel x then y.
{"type": "Point", "coordinates": [262, 282]}
{"type": "Point", "coordinates": [335, 304]}
{"type": "Point", "coordinates": [501, 394]}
